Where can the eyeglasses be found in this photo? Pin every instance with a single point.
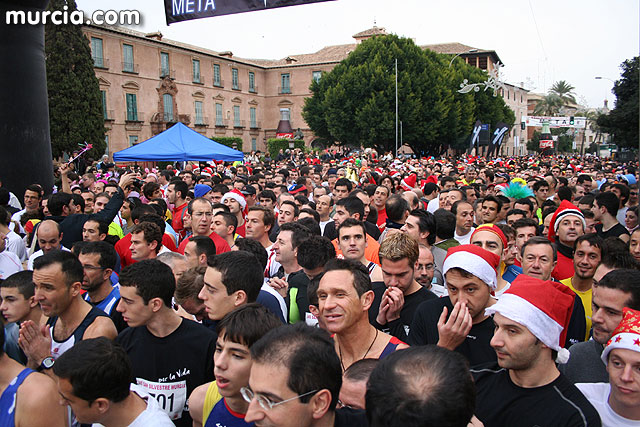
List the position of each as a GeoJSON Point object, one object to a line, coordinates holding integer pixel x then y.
{"type": "Point", "coordinates": [266, 403]}
{"type": "Point", "coordinates": [92, 267]}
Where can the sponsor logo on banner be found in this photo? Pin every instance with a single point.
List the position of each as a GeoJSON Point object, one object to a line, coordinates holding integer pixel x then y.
{"type": "Point", "coordinates": [546, 143]}
{"type": "Point", "coordinates": [184, 10]}
{"type": "Point", "coordinates": [287, 135]}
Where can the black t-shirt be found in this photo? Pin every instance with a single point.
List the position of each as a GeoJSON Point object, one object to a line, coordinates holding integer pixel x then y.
{"type": "Point", "coordinates": [398, 328]}
{"type": "Point", "coordinates": [615, 231]}
{"type": "Point", "coordinates": [170, 368]}
{"type": "Point", "coordinates": [347, 417]}
{"type": "Point", "coordinates": [424, 330]}
{"type": "Point", "coordinates": [500, 402]}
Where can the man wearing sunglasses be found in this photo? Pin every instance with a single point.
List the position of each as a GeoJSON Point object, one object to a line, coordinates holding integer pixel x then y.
{"type": "Point", "coordinates": [295, 381]}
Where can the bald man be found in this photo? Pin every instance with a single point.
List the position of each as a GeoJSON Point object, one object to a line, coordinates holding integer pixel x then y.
{"type": "Point", "coordinates": [49, 238]}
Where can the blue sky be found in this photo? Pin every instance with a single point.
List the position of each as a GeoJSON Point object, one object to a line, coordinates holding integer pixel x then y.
{"type": "Point", "coordinates": [539, 41]}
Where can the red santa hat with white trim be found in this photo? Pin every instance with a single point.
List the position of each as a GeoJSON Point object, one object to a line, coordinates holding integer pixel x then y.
{"type": "Point", "coordinates": [543, 307]}
{"type": "Point", "coordinates": [474, 260]}
{"type": "Point", "coordinates": [626, 335]}
{"type": "Point", "coordinates": [565, 209]}
{"type": "Point", "coordinates": [237, 196]}
{"type": "Point", "coordinates": [409, 182]}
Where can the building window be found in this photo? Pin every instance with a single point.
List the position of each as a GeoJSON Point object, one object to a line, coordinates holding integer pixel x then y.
{"type": "Point", "coordinates": [216, 75]}
{"type": "Point", "coordinates": [164, 64]}
{"type": "Point", "coordinates": [316, 76]}
{"type": "Point", "coordinates": [96, 52]}
{"type": "Point", "coordinates": [106, 140]}
{"type": "Point", "coordinates": [127, 58]}
{"type": "Point", "coordinates": [252, 81]}
{"type": "Point", "coordinates": [236, 116]}
{"type": "Point", "coordinates": [167, 100]}
{"type": "Point", "coordinates": [254, 144]}
{"type": "Point", "coordinates": [104, 104]}
{"type": "Point", "coordinates": [196, 71]}
{"type": "Point", "coordinates": [133, 140]}
{"type": "Point", "coordinates": [219, 119]}
{"type": "Point", "coordinates": [132, 107]}
{"type": "Point", "coordinates": [234, 79]}
{"type": "Point", "coordinates": [285, 83]}
{"type": "Point", "coordinates": [199, 116]}
{"type": "Point", "coordinates": [285, 114]}
{"type": "Point", "coordinates": [252, 116]}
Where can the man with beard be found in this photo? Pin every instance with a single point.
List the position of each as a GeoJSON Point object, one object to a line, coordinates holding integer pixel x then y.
{"type": "Point", "coordinates": [530, 320]}
{"type": "Point", "coordinates": [586, 259]}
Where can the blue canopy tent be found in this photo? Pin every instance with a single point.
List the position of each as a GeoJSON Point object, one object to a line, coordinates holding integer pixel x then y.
{"type": "Point", "coordinates": [178, 143]}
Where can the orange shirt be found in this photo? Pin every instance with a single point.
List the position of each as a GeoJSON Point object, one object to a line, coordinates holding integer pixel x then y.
{"type": "Point", "coordinates": [370, 252]}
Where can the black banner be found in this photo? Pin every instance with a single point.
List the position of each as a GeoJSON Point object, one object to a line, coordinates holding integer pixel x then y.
{"type": "Point", "coordinates": [184, 10]}
{"type": "Point", "coordinates": [498, 136]}
{"type": "Point", "coordinates": [475, 135]}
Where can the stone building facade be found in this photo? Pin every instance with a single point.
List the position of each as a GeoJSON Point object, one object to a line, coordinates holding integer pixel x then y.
{"type": "Point", "coordinates": [148, 83]}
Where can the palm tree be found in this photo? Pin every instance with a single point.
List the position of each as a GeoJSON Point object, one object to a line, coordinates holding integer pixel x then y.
{"type": "Point", "coordinates": [549, 105]}
{"type": "Point", "coordinates": [565, 91]}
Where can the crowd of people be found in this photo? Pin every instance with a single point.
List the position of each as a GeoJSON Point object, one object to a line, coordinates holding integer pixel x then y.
{"type": "Point", "coordinates": [323, 289]}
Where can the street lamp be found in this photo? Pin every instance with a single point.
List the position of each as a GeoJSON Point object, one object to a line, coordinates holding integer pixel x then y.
{"type": "Point", "coordinates": [462, 53]}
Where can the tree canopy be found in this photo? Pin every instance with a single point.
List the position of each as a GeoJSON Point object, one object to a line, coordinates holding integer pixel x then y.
{"type": "Point", "coordinates": [355, 102]}
{"type": "Point", "coordinates": [75, 101]}
{"type": "Point", "coordinates": [622, 121]}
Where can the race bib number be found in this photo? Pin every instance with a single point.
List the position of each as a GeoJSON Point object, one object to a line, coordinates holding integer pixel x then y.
{"type": "Point", "coordinates": [310, 319]}
{"type": "Point", "coordinates": [172, 397]}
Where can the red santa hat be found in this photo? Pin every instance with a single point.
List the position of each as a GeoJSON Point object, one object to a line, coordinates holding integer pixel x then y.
{"type": "Point", "coordinates": [474, 260]}
{"type": "Point", "coordinates": [565, 209]}
{"type": "Point", "coordinates": [626, 335]}
{"type": "Point", "coordinates": [409, 182]}
{"type": "Point", "coordinates": [544, 307]}
{"type": "Point", "coordinates": [237, 196]}
{"type": "Point", "coordinates": [492, 228]}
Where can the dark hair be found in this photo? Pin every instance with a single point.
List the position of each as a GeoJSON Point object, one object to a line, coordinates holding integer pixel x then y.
{"type": "Point", "coordinates": [240, 271]}
{"type": "Point", "coordinates": [71, 267]}
{"type": "Point", "coordinates": [508, 232]}
{"type": "Point", "coordinates": [149, 188]}
{"type": "Point", "coordinates": [609, 200]}
{"type": "Point", "coordinates": [587, 199]}
{"type": "Point", "coordinates": [5, 218]}
{"type": "Point", "coordinates": [268, 217]}
{"type": "Point", "coordinates": [588, 214]}
{"type": "Point", "coordinates": [311, 225]}
{"type": "Point", "coordinates": [494, 199]}
{"type": "Point", "coordinates": [220, 188]}
{"type": "Point", "coordinates": [626, 280]}
{"type": "Point", "coordinates": [298, 232]}
{"type": "Point", "coordinates": [351, 222]}
{"type": "Point", "coordinates": [247, 324]}
{"type": "Point", "coordinates": [96, 368]}
{"type": "Point", "coordinates": [525, 222]}
{"type": "Point", "coordinates": [296, 210]}
{"type": "Point", "coordinates": [23, 281]}
{"type": "Point", "coordinates": [103, 226]}
{"type": "Point", "coordinates": [308, 354]}
{"type": "Point", "coordinates": [582, 178]}
{"type": "Point", "coordinates": [361, 279]}
{"type": "Point", "coordinates": [445, 223]}
{"type": "Point", "coordinates": [539, 240]}
{"type": "Point", "coordinates": [267, 194]}
{"type": "Point", "coordinates": [593, 239]}
{"type": "Point", "coordinates": [360, 370]}
{"type": "Point", "coordinates": [180, 187]}
{"type": "Point", "coordinates": [539, 184]}
{"type": "Point", "coordinates": [565, 193]}
{"type": "Point", "coordinates": [516, 212]}
{"type": "Point", "coordinates": [426, 222]}
{"type": "Point", "coordinates": [204, 245]}
{"type": "Point", "coordinates": [312, 290]}
{"type": "Point", "coordinates": [190, 284]}
{"type": "Point", "coordinates": [616, 255]}
{"type": "Point", "coordinates": [454, 206]}
{"type": "Point", "coordinates": [315, 252]}
{"type": "Point", "coordinates": [151, 278]}
{"type": "Point", "coordinates": [344, 182]}
{"type": "Point", "coordinates": [429, 188]}
{"type": "Point", "coordinates": [421, 386]}
{"type": "Point", "coordinates": [352, 205]}
{"type": "Point", "coordinates": [57, 202]}
{"type": "Point", "coordinates": [314, 214]}
{"type": "Point", "coordinates": [256, 248]}
{"type": "Point", "coordinates": [141, 210]}
{"type": "Point", "coordinates": [525, 201]}
{"type": "Point", "coordinates": [229, 219]}
{"type": "Point", "coordinates": [78, 200]}
{"type": "Point", "coordinates": [108, 255]}
{"type": "Point", "coordinates": [151, 232]}
{"type": "Point", "coordinates": [396, 206]}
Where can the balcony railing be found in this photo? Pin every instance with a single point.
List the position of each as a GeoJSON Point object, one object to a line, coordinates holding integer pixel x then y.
{"type": "Point", "coordinates": [238, 124]}
{"type": "Point", "coordinates": [134, 116]}
{"type": "Point", "coordinates": [282, 90]}
{"type": "Point", "coordinates": [130, 67]}
{"type": "Point", "coordinates": [202, 121]}
{"type": "Point", "coordinates": [170, 117]}
{"type": "Point", "coordinates": [253, 89]}
{"type": "Point", "coordinates": [219, 83]}
{"type": "Point", "coordinates": [255, 125]}
{"type": "Point", "coordinates": [197, 79]}
{"type": "Point", "coordinates": [100, 63]}
{"type": "Point", "coordinates": [165, 72]}
{"type": "Point", "coordinates": [237, 86]}
{"type": "Point", "coordinates": [221, 123]}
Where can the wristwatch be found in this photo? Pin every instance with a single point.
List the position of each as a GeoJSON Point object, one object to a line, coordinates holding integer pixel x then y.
{"type": "Point", "coordinates": [47, 363]}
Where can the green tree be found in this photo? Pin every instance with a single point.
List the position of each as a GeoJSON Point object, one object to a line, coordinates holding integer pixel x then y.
{"type": "Point", "coordinates": [622, 121]}
{"type": "Point", "coordinates": [564, 91]}
{"type": "Point", "coordinates": [355, 102]}
{"type": "Point", "coordinates": [75, 101]}
{"type": "Point", "coordinates": [550, 105]}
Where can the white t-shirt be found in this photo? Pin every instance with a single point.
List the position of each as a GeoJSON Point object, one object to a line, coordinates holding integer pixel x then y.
{"type": "Point", "coordinates": [283, 305]}
{"type": "Point", "coordinates": [433, 205]}
{"type": "Point", "coordinates": [323, 224]}
{"type": "Point", "coordinates": [464, 239]}
{"type": "Point", "coordinates": [16, 245]}
{"type": "Point", "coordinates": [598, 396]}
{"type": "Point", "coordinates": [38, 254]}
{"type": "Point", "coordinates": [153, 416]}
{"type": "Point", "coordinates": [9, 264]}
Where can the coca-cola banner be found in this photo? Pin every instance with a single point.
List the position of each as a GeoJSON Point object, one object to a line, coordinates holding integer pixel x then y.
{"type": "Point", "coordinates": [546, 143]}
{"type": "Point", "coordinates": [184, 10]}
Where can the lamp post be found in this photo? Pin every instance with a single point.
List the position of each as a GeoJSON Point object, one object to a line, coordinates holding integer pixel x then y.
{"type": "Point", "coordinates": [396, 108]}
{"type": "Point", "coordinates": [462, 53]}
